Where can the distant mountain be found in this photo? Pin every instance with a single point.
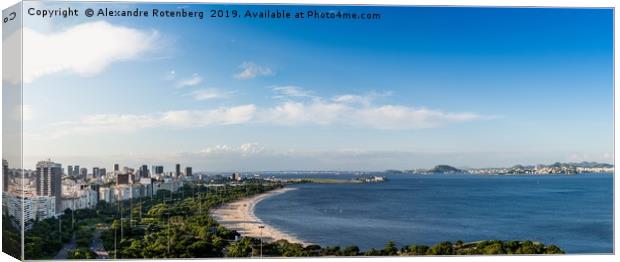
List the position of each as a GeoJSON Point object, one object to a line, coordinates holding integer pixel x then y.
{"type": "Point", "coordinates": [444, 169]}
{"type": "Point", "coordinates": [555, 168]}
{"type": "Point", "coordinates": [580, 164]}
{"type": "Point", "coordinates": [592, 165]}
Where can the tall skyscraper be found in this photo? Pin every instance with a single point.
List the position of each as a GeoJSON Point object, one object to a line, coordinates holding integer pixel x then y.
{"type": "Point", "coordinates": [144, 171]}
{"type": "Point", "coordinates": [83, 172]}
{"type": "Point", "coordinates": [95, 172]}
{"type": "Point", "coordinates": [158, 170]}
{"type": "Point", "coordinates": [188, 171]}
{"type": "Point", "coordinates": [178, 170]}
{"type": "Point", "coordinates": [102, 172]}
{"type": "Point", "coordinates": [116, 169]}
{"type": "Point", "coordinates": [48, 181]}
{"type": "Point", "coordinates": [69, 170]}
{"type": "Point", "coordinates": [76, 170]}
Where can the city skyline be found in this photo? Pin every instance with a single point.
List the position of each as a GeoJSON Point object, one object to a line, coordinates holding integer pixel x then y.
{"type": "Point", "coordinates": [532, 86]}
{"type": "Point", "coordinates": [75, 169]}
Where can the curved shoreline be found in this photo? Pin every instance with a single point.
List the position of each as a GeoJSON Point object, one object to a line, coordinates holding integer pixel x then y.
{"type": "Point", "coordinates": [239, 215]}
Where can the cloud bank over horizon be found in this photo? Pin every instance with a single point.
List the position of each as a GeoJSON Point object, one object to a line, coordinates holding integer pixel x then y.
{"type": "Point", "coordinates": [317, 111]}
{"type": "Point", "coordinates": [253, 156]}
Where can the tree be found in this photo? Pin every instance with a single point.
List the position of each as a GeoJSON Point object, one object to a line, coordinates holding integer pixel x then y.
{"type": "Point", "coordinates": [290, 249]}
{"type": "Point", "coordinates": [240, 248]}
{"type": "Point", "coordinates": [134, 250]}
{"type": "Point", "coordinates": [390, 249]}
{"type": "Point", "coordinates": [201, 248]}
{"type": "Point", "coordinates": [158, 210]}
{"type": "Point", "coordinates": [331, 251]}
{"type": "Point", "coordinates": [351, 251]}
{"type": "Point", "coordinates": [443, 248]}
{"type": "Point", "coordinates": [458, 243]}
{"type": "Point", "coordinates": [553, 249]}
{"type": "Point", "coordinates": [33, 248]}
{"type": "Point", "coordinates": [417, 250]}
{"type": "Point", "coordinates": [373, 252]}
{"type": "Point", "coordinates": [493, 249]}
{"type": "Point", "coordinates": [527, 247]}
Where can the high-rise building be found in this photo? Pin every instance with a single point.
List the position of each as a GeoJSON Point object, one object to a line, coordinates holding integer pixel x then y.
{"type": "Point", "coordinates": [48, 181]}
{"type": "Point", "coordinates": [116, 168]}
{"type": "Point", "coordinates": [83, 172]}
{"type": "Point", "coordinates": [5, 175]}
{"type": "Point", "coordinates": [106, 194]}
{"type": "Point", "coordinates": [69, 170]}
{"type": "Point", "coordinates": [188, 171]}
{"type": "Point", "coordinates": [22, 209]}
{"type": "Point", "coordinates": [44, 207]}
{"type": "Point", "coordinates": [102, 172]}
{"type": "Point", "coordinates": [122, 179]}
{"type": "Point", "coordinates": [76, 170]}
{"type": "Point", "coordinates": [158, 170]}
{"type": "Point", "coordinates": [144, 171]}
{"type": "Point", "coordinates": [95, 172]}
{"type": "Point", "coordinates": [178, 170]}
{"type": "Point", "coordinates": [95, 188]}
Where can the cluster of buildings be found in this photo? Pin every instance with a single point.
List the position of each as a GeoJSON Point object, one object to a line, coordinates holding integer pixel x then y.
{"type": "Point", "coordinates": [559, 169]}
{"type": "Point", "coordinates": [49, 190]}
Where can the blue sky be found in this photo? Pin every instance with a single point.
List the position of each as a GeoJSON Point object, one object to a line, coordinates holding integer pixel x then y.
{"type": "Point", "coordinates": [475, 87]}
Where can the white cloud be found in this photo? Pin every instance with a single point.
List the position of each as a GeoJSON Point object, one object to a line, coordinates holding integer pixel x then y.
{"type": "Point", "coordinates": [342, 111]}
{"type": "Point", "coordinates": [394, 117]}
{"type": "Point", "coordinates": [365, 99]}
{"type": "Point", "coordinates": [128, 123]}
{"type": "Point", "coordinates": [403, 117]}
{"type": "Point", "coordinates": [85, 49]}
{"type": "Point", "coordinates": [290, 91]}
{"type": "Point", "coordinates": [220, 116]}
{"type": "Point", "coordinates": [351, 99]}
{"type": "Point", "coordinates": [194, 80]}
{"type": "Point", "coordinates": [251, 70]}
{"type": "Point", "coordinates": [209, 93]}
{"type": "Point", "coordinates": [243, 150]}
{"type": "Point", "coordinates": [294, 113]}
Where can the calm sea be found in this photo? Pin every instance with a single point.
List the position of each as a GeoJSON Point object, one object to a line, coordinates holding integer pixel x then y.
{"type": "Point", "coordinates": [573, 212]}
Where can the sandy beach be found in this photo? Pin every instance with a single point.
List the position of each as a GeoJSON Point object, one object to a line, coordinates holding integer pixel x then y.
{"type": "Point", "coordinates": [239, 216]}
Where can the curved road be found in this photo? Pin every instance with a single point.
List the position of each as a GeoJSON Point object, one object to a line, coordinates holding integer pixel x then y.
{"type": "Point", "coordinates": [64, 251]}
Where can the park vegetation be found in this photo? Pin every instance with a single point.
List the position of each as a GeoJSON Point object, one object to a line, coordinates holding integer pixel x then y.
{"type": "Point", "coordinates": [11, 241]}
{"type": "Point", "coordinates": [248, 247]}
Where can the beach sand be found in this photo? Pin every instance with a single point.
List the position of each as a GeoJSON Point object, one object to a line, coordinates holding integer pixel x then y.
{"type": "Point", "coordinates": [239, 216]}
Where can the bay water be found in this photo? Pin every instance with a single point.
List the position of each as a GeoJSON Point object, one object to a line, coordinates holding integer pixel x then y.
{"type": "Point", "coordinates": [574, 212]}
